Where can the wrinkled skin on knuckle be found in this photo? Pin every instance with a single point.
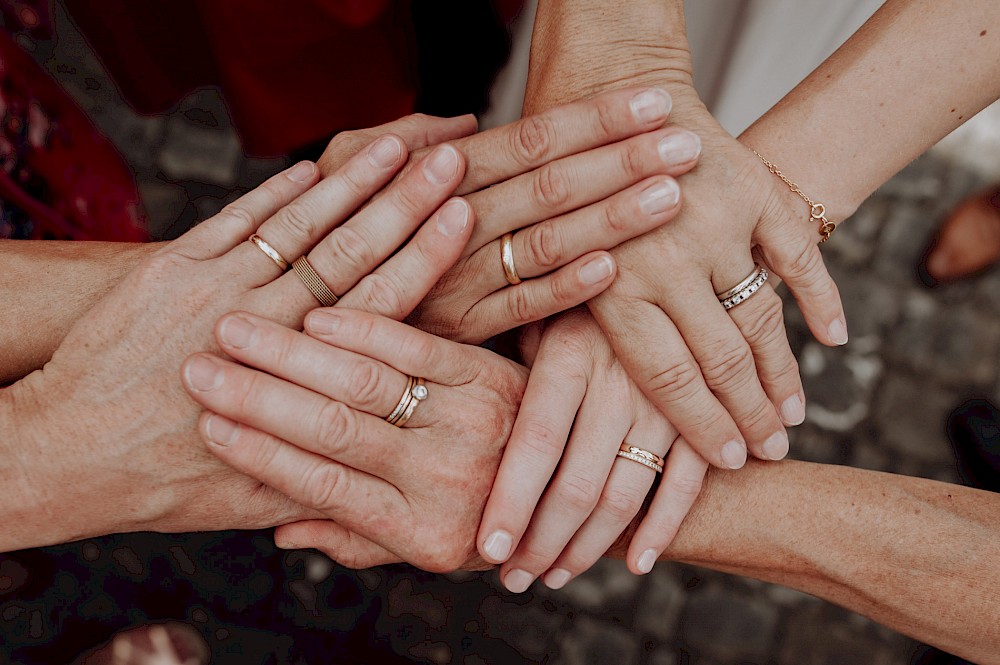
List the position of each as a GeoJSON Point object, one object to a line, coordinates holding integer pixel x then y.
{"type": "Point", "coordinates": [544, 246]}
{"type": "Point", "coordinates": [324, 485]}
{"type": "Point", "coordinates": [341, 148]}
{"type": "Point", "coordinates": [769, 321]}
{"type": "Point", "coordinates": [533, 140]}
{"type": "Point", "coordinates": [366, 385]}
{"type": "Point", "coordinates": [550, 187]}
{"type": "Point", "coordinates": [726, 364]}
{"type": "Point", "coordinates": [631, 159]}
{"type": "Point", "coordinates": [335, 428]}
{"type": "Point", "coordinates": [541, 439]}
{"type": "Point", "coordinates": [237, 212]}
{"type": "Point", "coordinates": [621, 505]}
{"type": "Point", "coordinates": [675, 382]}
{"type": "Point", "coordinates": [521, 307]}
{"type": "Point", "coordinates": [382, 296]}
{"type": "Point", "coordinates": [685, 488]}
{"type": "Point", "coordinates": [576, 492]}
{"type": "Point", "coordinates": [347, 243]}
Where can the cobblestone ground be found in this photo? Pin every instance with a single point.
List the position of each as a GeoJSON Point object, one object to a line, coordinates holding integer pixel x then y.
{"type": "Point", "coordinates": [879, 403]}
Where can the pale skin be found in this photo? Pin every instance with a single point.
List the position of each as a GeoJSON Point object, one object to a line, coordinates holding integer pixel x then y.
{"type": "Point", "coordinates": [894, 548]}
{"type": "Point", "coordinates": [105, 424]}
{"type": "Point", "coordinates": [867, 119]}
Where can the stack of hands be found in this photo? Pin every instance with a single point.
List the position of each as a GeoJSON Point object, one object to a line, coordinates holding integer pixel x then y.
{"type": "Point", "coordinates": [564, 230]}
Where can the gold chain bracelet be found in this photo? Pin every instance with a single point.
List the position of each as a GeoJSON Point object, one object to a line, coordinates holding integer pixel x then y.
{"type": "Point", "coordinates": [817, 211]}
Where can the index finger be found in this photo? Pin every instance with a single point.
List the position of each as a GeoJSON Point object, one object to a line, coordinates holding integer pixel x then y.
{"type": "Point", "coordinates": [503, 152]}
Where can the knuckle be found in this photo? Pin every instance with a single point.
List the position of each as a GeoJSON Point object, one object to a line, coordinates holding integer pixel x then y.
{"type": "Point", "coordinates": [620, 505]}
{"type": "Point", "coordinates": [297, 221]}
{"type": "Point", "coordinates": [410, 201]}
{"type": "Point", "coordinates": [768, 320]}
{"type": "Point", "coordinates": [607, 117]}
{"type": "Point", "coordinates": [382, 295]}
{"type": "Point", "coordinates": [577, 493]}
{"type": "Point", "coordinates": [521, 306]}
{"type": "Point", "coordinates": [349, 245]}
{"type": "Point", "coordinates": [533, 140]}
{"type": "Point", "coordinates": [335, 428]}
{"type": "Point", "coordinates": [550, 189]}
{"type": "Point", "coordinates": [675, 382]}
{"type": "Point", "coordinates": [616, 217]}
{"type": "Point", "coordinates": [724, 365]}
{"type": "Point", "coordinates": [632, 164]}
{"type": "Point", "coordinates": [365, 383]}
{"type": "Point", "coordinates": [544, 245]}
{"type": "Point", "coordinates": [685, 488]}
{"type": "Point", "coordinates": [805, 267]}
{"type": "Point", "coordinates": [242, 216]}
{"type": "Point", "coordinates": [541, 439]}
{"type": "Point", "coordinates": [323, 486]}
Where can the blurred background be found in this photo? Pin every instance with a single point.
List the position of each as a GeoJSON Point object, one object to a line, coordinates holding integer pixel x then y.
{"type": "Point", "coordinates": [881, 402]}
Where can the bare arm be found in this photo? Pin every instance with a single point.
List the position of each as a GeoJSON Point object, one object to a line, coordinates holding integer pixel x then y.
{"type": "Point", "coordinates": [920, 556]}
{"type": "Point", "coordinates": [47, 287]}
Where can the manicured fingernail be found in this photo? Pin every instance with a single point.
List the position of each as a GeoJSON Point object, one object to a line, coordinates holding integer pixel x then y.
{"type": "Point", "coordinates": [734, 455]}
{"type": "Point", "coordinates": [556, 578]}
{"type": "Point", "coordinates": [385, 152]}
{"type": "Point", "coordinates": [497, 546]}
{"type": "Point", "coordinates": [453, 218]}
{"type": "Point", "coordinates": [793, 411]}
{"type": "Point", "coordinates": [776, 446]}
{"type": "Point", "coordinates": [237, 332]}
{"type": "Point", "coordinates": [596, 271]}
{"type": "Point", "coordinates": [518, 581]}
{"type": "Point", "coordinates": [323, 322]}
{"type": "Point", "coordinates": [442, 165]}
{"type": "Point", "coordinates": [652, 105]}
{"type": "Point", "coordinates": [301, 172]}
{"type": "Point", "coordinates": [646, 561]}
{"type": "Point", "coordinates": [838, 332]}
{"type": "Point", "coordinates": [679, 148]}
{"type": "Point", "coordinates": [203, 374]}
{"type": "Point", "coordinates": [659, 198]}
{"type": "Point", "coordinates": [221, 431]}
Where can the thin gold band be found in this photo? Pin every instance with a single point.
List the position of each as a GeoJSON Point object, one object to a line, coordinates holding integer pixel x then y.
{"type": "Point", "coordinates": [271, 252]}
{"type": "Point", "coordinates": [403, 401]}
{"type": "Point", "coordinates": [314, 282]}
{"type": "Point", "coordinates": [415, 393]}
{"type": "Point", "coordinates": [507, 259]}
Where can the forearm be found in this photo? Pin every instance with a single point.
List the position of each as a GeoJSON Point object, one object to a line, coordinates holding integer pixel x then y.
{"type": "Point", "coordinates": [48, 285]}
{"type": "Point", "coordinates": [917, 555]}
{"type": "Point", "coordinates": [915, 71]}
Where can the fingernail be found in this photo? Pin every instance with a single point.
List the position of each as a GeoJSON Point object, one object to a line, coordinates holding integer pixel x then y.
{"type": "Point", "coordinates": [838, 332]}
{"type": "Point", "coordinates": [221, 431]}
{"type": "Point", "coordinates": [497, 546]}
{"type": "Point", "coordinates": [202, 374]}
{"type": "Point", "coordinates": [651, 105]}
{"type": "Point", "coordinates": [518, 581]}
{"type": "Point", "coordinates": [453, 218]}
{"type": "Point", "coordinates": [323, 322]}
{"type": "Point", "coordinates": [556, 578]}
{"type": "Point", "coordinates": [646, 561]}
{"type": "Point", "coordinates": [237, 332]}
{"type": "Point", "coordinates": [793, 411]}
{"type": "Point", "coordinates": [596, 271]}
{"type": "Point", "coordinates": [659, 198]}
{"type": "Point", "coordinates": [441, 166]}
{"type": "Point", "coordinates": [301, 172]}
{"type": "Point", "coordinates": [734, 455]}
{"type": "Point", "coordinates": [385, 152]}
{"type": "Point", "coordinates": [679, 148]}
{"type": "Point", "coordinates": [776, 446]}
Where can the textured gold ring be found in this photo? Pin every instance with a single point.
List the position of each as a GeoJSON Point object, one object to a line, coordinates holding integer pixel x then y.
{"type": "Point", "coordinates": [507, 259]}
{"type": "Point", "coordinates": [271, 252]}
{"type": "Point", "coordinates": [314, 282]}
{"type": "Point", "coordinates": [640, 456]}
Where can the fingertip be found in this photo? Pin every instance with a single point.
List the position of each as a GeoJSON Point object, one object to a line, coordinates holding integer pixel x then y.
{"type": "Point", "coordinates": [733, 455]}
{"type": "Point", "coordinates": [644, 562]}
{"type": "Point", "coordinates": [454, 218]}
{"type": "Point", "coordinates": [497, 546]}
{"type": "Point", "coordinates": [387, 151]}
{"type": "Point", "coordinates": [837, 332]}
{"type": "Point", "coordinates": [305, 172]}
{"type": "Point", "coordinates": [598, 269]}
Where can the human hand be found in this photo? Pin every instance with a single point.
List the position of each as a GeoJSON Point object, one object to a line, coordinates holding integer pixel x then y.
{"type": "Point", "coordinates": [304, 413]}
{"type": "Point", "coordinates": [569, 183]}
{"type": "Point", "coordinates": [101, 439]}
{"type": "Point", "coordinates": [561, 472]}
{"type": "Point", "coordinates": [727, 381]}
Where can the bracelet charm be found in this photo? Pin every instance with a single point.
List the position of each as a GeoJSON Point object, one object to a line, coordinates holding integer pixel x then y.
{"type": "Point", "coordinates": [817, 211]}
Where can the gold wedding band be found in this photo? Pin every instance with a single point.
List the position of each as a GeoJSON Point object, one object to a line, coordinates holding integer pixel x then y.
{"type": "Point", "coordinates": [748, 286]}
{"type": "Point", "coordinates": [314, 282]}
{"type": "Point", "coordinates": [507, 259]}
{"type": "Point", "coordinates": [415, 393]}
{"type": "Point", "coordinates": [271, 252]}
{"type": "Point", "coordinates": [640, 456]}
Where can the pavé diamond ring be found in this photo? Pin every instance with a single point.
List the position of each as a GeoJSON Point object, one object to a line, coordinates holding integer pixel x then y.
{"type": "Point", "coordinates": [732, 297]}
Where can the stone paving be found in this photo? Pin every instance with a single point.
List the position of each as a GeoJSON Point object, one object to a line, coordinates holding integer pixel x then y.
{"type": "Point", "coordinates": [879, 403]}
